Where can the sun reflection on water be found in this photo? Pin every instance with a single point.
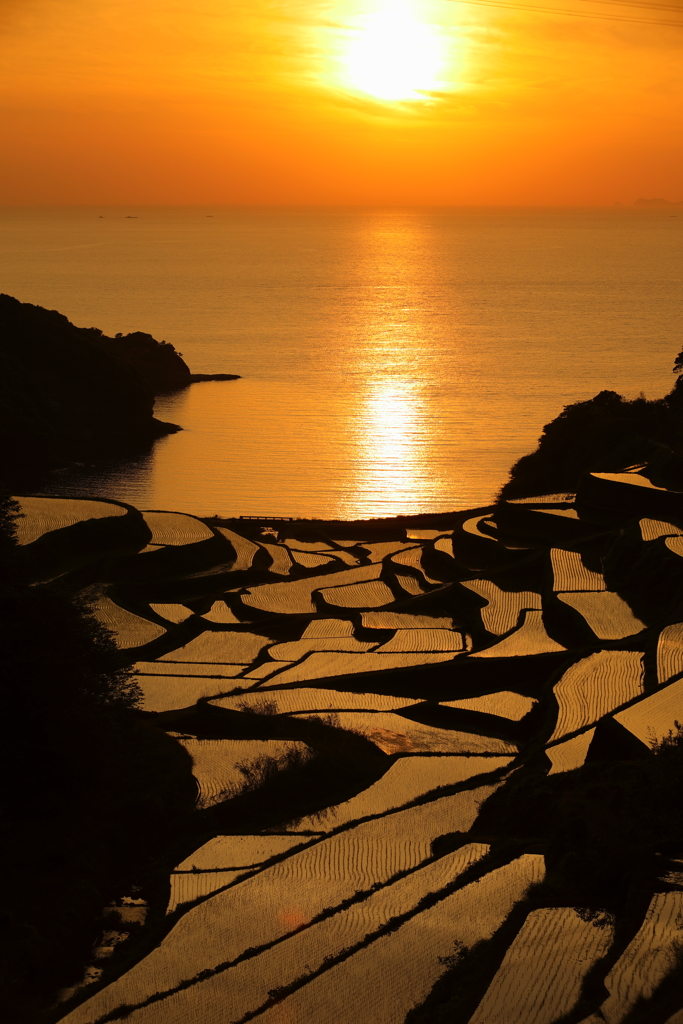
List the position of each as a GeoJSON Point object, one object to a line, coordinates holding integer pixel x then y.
{"type": "Point", "coordinates": [391, 457]}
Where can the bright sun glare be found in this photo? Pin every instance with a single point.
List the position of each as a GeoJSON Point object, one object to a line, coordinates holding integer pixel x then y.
{"type": "Point", "coordinates": [395, 56]}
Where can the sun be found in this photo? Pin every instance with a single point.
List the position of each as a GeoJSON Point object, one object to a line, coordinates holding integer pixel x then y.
{"type": "Point", "coordinates": [394, 55]}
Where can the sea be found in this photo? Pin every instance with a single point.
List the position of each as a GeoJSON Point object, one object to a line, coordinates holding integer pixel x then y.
{"type": "Point", "coordinates": [391, 360]}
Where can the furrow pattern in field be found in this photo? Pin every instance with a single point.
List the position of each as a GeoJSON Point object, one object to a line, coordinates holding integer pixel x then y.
{"type": "Point", "coordinates": [655, 717]}
{"type": "Point", "coordinates": [230, 995]}
{"type": "Point", "coordinates": [395, 734]}
{"type": "Point", "coordinates": [43, 515]}
{"type": "Point", "coordinates": [651, 529]}
{"type": "Point", "coordinates": [223, 646]}
{"type": "Point", "coordinates": [648, 958]}
{"type": "Point", "coordinates": [215, 762]}
{"type": "Point", "coordinates": [176, 528]}
{"type": "Point", "coordinates": [404, 620]}
{"type": "Point", "coordinates": [359, 595]}
{"type": "Point", "coordinates": [172, 612]}
{"type": "Point", "coordinates": [570, 754]}
{"type": "Point", "coordinates": [294, 598]}
{"type": "Point", "coordinates": [670, 652]}
{"type": "Point", "coordinates": [168, 693]}
{"type": "Point", "coordinates": [595, 686]}
{"type": "Point", "coordinates": [540, 977]}
{"type": "Point", "coordinates": [295, 650]}
{"type": "Point", "coordinates": [312, 699]}
{"type": "Point", "coordinates": [284, 896]}
{"type": "Point", "coordinates": [501, 613]}
{"type": "Point", "coordinates": [506, 704]}
{"type": "Point", "coordinates": [606, 613]}
{"type": "Point", "coordinates": [408, 779]}
{"type": "Point", "coordinates": [381, 982]}
{"type": "Point", "coordinates": [129, 630]}
{"type": "Point", "coordinates": [323, 664]}
{"type": "Point", "coordinates": [244, 549]}
{"type": "Point", "coordinates": [424, 640]}
{"type": "Point", "coordinates": [530, 638]}
{"type": "Point", "coordinates": [569, 572]}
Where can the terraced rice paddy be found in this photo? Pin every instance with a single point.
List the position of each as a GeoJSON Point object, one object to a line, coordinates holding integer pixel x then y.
{"type": "Point", "coordinates": [294, 598]}
{"type": "Point", "coordinates": [569, 754]}
{"type": "Point", "coordinates": [334, 663]}
{"type": "Point", "coordinates": [424, 640]}
{"type": "Point", "coordinates": [530, 638]}
{"type": "Point", "coordinates": [244, 549]}
{"type": "Point", "coordinates": [310, 560]}
{"type": "Point", "coordinates": [306, 545]}
{"type": "Point", "coordinates": [220, 612]}
{"type": "Point", "coordinates": [216, 763]}
{"type": "Point", "coordinates": [226, 647]}
{"type": "Point", "coordinates": [359, 595]}
{"type": "Point", "coordinates": [39, 516]}
{"type": "Point", "coordinates": [651, 529]}
{"type": "Point", "coordinates": [175, 528]}
{"type": "Point", "coordinates": [240, 990]}
{"type": "Point", "coordinates": [647, 959]}
{"type": "Point", "coordinates": [281, 898]}
{"type": "Point", "coordinates": [397, 735]}
{"type": "Point", "coordinates": [384, 549]}
{"type": "Point", "coordinates": [127, 628]}
{"type": "Point", "coordinates": [339, 609]}
{"type": "Point", "coordinates": [595, 686]}
{"type": "Point", "coordinates": [327, 627]}
{"type": "Point", "coordinates": [297, 701]}
{"type": "Point", "coordinates": [570, 573]}
{"type": "Point", "coordinates": [675, 544]}
{"type": "Point", "coordinates": [473, 525]}
{"type": "Point", "coordinates": [408, 779]}
{"type": "Point", "coordinates": [187, 668]}
{"type": "Point", "coordinates": [606, 613]}
{"type": "Point", "coordinates": [670, 652]}
{"type": "Point", "coordinates": [221, 861]}
{"type": "Point", "coordinates": [381, 982]}
{"type": "Point", "coordinates": [412, 557]}
{"type": "Point", "coordinates": [503, 608]}
{"type": "Point", "coordinates": [266, 670]}
{"type": "Point", "coordinates": [294, 650]}
{"type": "Point", "coordinates": [167, 693]}
{"type": "Point", "coordinates": [506, 703]}
{"type": "Point", "coordinates": [566, 513]}
{"type": "Point", "coordinates": [404, 620]}
{"type": "Point", "coordinates": [280, 559]}
{"type": "Point", "coordinates": [409, 584]}
{"type": "Point", "coordinates": [173, 612]}
{"type": "Point", "coordinates": [655, 717]}
{"type": "Point", "coordinates": [445, 544]}
{"type": "Point", "coordinates": [540, 977]}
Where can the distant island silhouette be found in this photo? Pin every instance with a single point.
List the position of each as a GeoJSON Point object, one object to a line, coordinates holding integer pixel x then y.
{"type": "Point", "coordinates": [73, 394]}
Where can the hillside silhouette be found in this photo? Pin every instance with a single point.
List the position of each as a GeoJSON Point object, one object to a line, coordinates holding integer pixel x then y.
{"type": "Point", "coordinates": [71, 393]}
{"type": "Point", "coordinates": [605, 434]}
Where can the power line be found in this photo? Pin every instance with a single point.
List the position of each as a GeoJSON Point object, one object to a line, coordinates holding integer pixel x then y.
{"type": "Point", "coordinates": [587, 14]}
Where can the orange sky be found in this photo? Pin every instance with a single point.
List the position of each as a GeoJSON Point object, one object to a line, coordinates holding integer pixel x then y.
{"type": "Point", "coordinates": [278, 101]}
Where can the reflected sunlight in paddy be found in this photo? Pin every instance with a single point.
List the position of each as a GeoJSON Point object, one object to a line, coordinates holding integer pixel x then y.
{"type": "Point", "coordinates": [392, 360]}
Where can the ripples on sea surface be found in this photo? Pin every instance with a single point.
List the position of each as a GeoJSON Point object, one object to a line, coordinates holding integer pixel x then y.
{"type": "Point", "coordinates": [393, 360]}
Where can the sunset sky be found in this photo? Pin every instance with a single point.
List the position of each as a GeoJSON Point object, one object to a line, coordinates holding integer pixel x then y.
{"type": "Point", "coordinates": [344, 101]}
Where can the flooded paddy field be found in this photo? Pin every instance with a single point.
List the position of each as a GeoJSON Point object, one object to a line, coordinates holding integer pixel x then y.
{"type": "Point", "coordinates": [433, 760]}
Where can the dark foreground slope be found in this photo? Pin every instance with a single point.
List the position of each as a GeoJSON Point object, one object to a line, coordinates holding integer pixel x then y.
{"type": "Point", "coordinates": [72, 394]}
